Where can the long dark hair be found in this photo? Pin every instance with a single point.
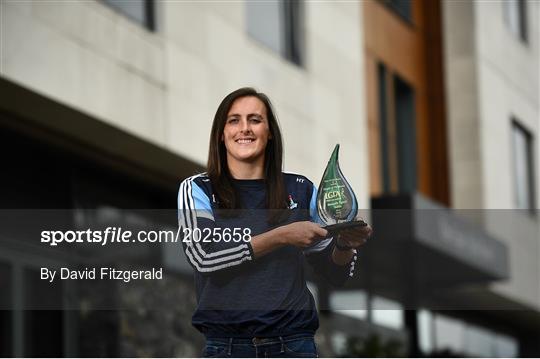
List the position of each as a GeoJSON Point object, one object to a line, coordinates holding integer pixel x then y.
{"type": "Point", "coordinates": [218, 169]}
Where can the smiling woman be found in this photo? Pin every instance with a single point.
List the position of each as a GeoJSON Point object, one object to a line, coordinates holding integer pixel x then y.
{"type": "Point", "coordinates": [246, 114]}
{"type": "Point", "coordinates": [252, 295]}
{"type": "Point", "coordinates": [245, 135]}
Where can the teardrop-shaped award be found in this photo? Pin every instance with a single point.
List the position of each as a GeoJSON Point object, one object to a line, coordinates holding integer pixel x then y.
{"type": "Point", "coordinates": [336, 203]}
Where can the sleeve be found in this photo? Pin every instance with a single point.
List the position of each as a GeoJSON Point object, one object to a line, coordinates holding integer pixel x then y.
{"type": "Point", "coordinates": [319, 256]}
{"type": "Point", "coordinates": [206, 255]}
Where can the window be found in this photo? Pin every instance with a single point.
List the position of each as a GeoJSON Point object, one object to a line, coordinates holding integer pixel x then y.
{"type": "Point", "coordinates": [449, 335]}
{"type": "Point", "coordinates": [400, 7]}
{"type": "Point", "coordinates": [387, 313]}
{"type": "Point", "coordinates": [278, 25]}
{"type": "Point", "coordinates": [67, 180]}
{"type": "Point", "coordinates": [352, 303]}
{"type": "Point", "coordinates": [479, 342]}
{"type": "Point", "coordinates": [445, 336]}
{"type": "Point", "coordinates": [397, 121]}
{"type": "Point", "coordinates": [383, 123]}
{"type": "Point", "coordinates": [506, 346]}
{"type": "Point", "coordinates": [522, 143]}
{"type": "Point", "coordinates": [515, 16]}
{"type": "Point", "coordinates": [405, 134]}
{"type": "Point", "coordinates": [141, 11]}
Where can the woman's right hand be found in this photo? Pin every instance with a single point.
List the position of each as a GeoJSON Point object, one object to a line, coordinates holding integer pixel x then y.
{"type": "Point", "coordinates": [302, 234]}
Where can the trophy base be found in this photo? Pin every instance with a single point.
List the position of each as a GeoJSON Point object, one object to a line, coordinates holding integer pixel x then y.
{"type": "Point", "coordinates": [334, 229]}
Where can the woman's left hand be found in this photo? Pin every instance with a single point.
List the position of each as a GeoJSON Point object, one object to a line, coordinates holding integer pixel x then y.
{"type": "Point", "coordinates": [355, 237]}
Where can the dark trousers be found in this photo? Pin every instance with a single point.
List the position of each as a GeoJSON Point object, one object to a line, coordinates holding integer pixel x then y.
{"type": "Point", "coordinates": [291, 346]}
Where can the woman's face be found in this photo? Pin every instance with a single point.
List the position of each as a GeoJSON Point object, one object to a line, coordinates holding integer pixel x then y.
{"type": "Point", "coordinates": [246, 131]}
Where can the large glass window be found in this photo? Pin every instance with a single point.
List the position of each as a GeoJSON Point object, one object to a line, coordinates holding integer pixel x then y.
{"type": "Point", "coordinates": [449, 336]}
{"type": "Point", "coordinates": [479, 342]}
{"type": "Point", "coordinates": [278, 25]}
{"type": "Point", "coordinates": [66, 181]}
{"type": "Point", "coordinates": [141, 11]}
{"type": "Point", "coordinates": [524, 190]}
{"type": "Point", "coordinates": [515, 16]}
{"type": "Point", "coordinates": [506, 346]}
{"type": "Point", "coordinates": [357, 303]}
{"type": "Point", "coordinates": [444, 336]}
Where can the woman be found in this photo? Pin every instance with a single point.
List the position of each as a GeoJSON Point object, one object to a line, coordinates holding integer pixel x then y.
{"type": "Point", "coordinates": [248, 228]}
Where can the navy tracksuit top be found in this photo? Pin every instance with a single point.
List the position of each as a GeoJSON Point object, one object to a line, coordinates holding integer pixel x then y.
{"type": "Point", "coordinates": [239, 295]}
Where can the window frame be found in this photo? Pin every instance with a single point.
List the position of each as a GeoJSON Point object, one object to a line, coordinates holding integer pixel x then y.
{"type": "Point", "coordinates": [516, 125]}
{"type": "Point", "coordinates": [149, 13]}
{"type": "Point", "coordinates": [397, 132]}
{"type": "Point", "coordinates": [521, 32]}
{"type": "Point", "coordinates": [290, 34]}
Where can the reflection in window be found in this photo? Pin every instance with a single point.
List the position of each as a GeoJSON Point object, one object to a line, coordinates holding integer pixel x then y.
{"type": "Point", "coordinates": [142, 11]}
{"type": "Point", "coordinates": [522, 143]}
{"type": "Point", "coordinates": [515, 12]}
{"type": "Point", "coordinates": [278, 25]}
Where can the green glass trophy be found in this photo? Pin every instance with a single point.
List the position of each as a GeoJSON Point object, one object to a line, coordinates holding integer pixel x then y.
{"type": "Point", "coordinates": [336, 203]}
